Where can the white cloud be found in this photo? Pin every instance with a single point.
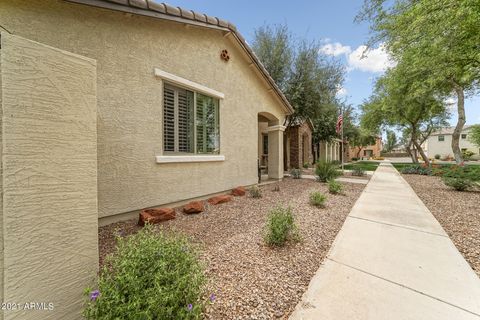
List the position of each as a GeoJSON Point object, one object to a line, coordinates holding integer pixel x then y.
{"type": "Point", "coordinates": [335, 49]}
{"type": "Point", "coordinates": [371, 60]}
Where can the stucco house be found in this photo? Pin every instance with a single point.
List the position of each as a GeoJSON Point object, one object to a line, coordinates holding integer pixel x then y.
{"type": "Point", "coordinates": [367, 152]}
{"type": "Point", "coordinates": [109, 107]}
{"type": "Point", "coordinates": [440, 143]}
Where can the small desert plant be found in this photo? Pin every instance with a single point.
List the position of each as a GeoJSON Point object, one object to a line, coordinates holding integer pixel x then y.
{"type": "Point", "coordinates": [296, 173]}
{"type": "Point", "coordinates": [255, 192]}
{"type": "Point", "coordinates": [437, 156]}
{"type": "Point", "coordinates": [326, 171]}
{"type": "Point", "coordinates": [151, 275]}
{"type": "Point", "coordinates": [306, 165]}
{"type": "Point", "coordinates": [280, 227]}
{"type": "Point", "coordinates": [458, 184]}
{"type": "Point", "coordinates": [334, 187]}
{"type": "Point", "coordinates": [317, 199]}
{"type": "Point", "coordinates": [358, 172]}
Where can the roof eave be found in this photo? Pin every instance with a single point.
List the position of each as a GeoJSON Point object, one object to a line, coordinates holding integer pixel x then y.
{"type": "Point", "coordinates": [126, 6]}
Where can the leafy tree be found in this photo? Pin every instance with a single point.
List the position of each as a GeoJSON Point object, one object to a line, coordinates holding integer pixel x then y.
{"type": "Point", "coordinates": [362, 139]}
{"type": "Point", "coordinates": [439, 38]}
{"type": "Point", "coordinates": [309, 79]}
{"type": "Point", "coordinates": [475, 134]}
{"type": "Point", "coordinates": [400, 102]}
{"type": "Point", "coordinates": [313, 83]}
{"type": "Point", "coordinates": [273, 46]}
{"type": "Point", "coordinates": [391, 141]}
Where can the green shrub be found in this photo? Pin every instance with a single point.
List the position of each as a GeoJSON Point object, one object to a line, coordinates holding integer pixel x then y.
{"type": "Point", "coordinates": [255, 192]}
{"type": "Point", "coordinates": [354, 159]}
{"type": "Point", "coordinates": [280, 227]}
{"type": "Point", "coordinates": [150, 276]}
{"type": "Point", "coordinates": [458, 184]}
{"type": "Point", "coordinates": [467, 154]}
{"type": "Point", "coordinates": [437, 156]}
{"type": "Point", "coordinates": [334, 187]}
{"type": "Point", "coordinates": [296, 173]}
{"type": "Point", "coordinates": [306, 165]}
{"type": "Point", "coordinates": [417, 169]}
{"type": "Point", "coordinates": [358, 172]}
{"type": "Point", "coordinates": [317, 199]}
{"type": "Point", "coordinates": [471, 173]}
{"type": "Point", "coordinates": [326, 171]}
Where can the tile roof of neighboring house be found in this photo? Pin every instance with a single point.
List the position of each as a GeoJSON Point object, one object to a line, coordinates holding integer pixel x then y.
{"type": "Point", "coordinates": [448, 130]}
{"type": "Point", "coordinates": [299, 122]}
{"type": "Point", "coordinates": [164, 11]}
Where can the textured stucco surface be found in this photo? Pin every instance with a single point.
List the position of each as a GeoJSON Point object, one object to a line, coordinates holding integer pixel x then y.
{"type": "Point", "coordinates": [49, 170]}
{"type": "Point", "coordinates": [127, 48]}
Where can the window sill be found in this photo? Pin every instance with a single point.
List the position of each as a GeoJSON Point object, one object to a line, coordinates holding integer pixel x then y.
{"type": "Point", "coordinates": [186, 159]}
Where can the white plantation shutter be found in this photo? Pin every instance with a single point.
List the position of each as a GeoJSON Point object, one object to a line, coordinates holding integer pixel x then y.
{"type": "Point", "coordinates": [185, 121]}
{"type": "Point", "coordinates": [184, 115]}
{"type": "Point", "coordinates": [168, 119]}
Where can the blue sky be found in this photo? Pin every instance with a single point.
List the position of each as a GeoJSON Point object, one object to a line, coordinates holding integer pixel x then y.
{"type": "Point", "coordinates": [329, 21]}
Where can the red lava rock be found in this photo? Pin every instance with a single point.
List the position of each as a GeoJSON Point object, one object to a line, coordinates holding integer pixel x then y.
{"type": "Point", "coordinates": [239, 191]}
{"type": "Point", "coordinates": [194, 207]}
{"type": "Point", "coordinates": [156, 215]}
{"type": "Point", "coordinates": [220, 199]}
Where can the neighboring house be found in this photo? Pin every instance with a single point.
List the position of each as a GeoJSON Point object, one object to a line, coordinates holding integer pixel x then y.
{"type": "Point", "coordinates": [298, 145]}
{"type": "Point", "coordinates": [130, 104]}
{"type": "Point", "coordinates": [440, 143]}
{"type": "Point", "coordinates": [367, 152]}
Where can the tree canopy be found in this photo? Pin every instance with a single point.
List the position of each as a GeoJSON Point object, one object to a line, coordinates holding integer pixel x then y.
{"type": "Point", "coordinates": [309, 78]}
{"type": "Point", "coordinates": [440, 42]}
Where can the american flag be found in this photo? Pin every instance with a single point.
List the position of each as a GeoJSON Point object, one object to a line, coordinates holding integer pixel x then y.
{"type": "Point", "coordinates": [339, 123]}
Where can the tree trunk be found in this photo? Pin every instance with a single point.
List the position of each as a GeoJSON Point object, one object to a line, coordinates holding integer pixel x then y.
{"type": "Point", "coordinates": [358, 153]}
{"type": "Point", "coordinates": [419, 147]}
{"type": "Point", "coordinates": [460, 123]}
{"type": "Point", "coordinates": [411, 153]}
{"type": "Point", "coordinates": [422, 153]}
{"type": "Point", "coordinates": [415, 154]}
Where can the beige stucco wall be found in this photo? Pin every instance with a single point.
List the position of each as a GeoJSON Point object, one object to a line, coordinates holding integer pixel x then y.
{"type": "Point", "coordinates": [127, 49]}
{"type": "Point", "coordinates": [1, 190]}
{"type": "Point", "coordinates": [444, 148]}
{"type": "Point", "coordinates": [49, 185]}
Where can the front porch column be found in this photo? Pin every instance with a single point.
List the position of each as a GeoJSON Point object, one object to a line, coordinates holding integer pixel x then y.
{"type": "Point", "coordinates": [275, 151]}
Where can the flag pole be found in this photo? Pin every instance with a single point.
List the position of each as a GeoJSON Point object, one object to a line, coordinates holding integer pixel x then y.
{"type": "Point", "coordinates": [342, 151]}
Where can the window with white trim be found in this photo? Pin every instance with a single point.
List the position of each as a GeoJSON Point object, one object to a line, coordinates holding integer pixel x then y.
{"type": "Point", "coordinates": [190, 122]}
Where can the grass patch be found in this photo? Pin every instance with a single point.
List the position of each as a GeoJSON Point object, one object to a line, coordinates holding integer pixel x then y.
{"type": "Point", "coordinates": [363, 165]}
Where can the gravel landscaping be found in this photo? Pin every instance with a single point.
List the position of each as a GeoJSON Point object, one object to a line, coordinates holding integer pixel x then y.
{"type": "Point", "coordinates": [458, 213]}
{"type": "Point", "coordinates": [249, 279]}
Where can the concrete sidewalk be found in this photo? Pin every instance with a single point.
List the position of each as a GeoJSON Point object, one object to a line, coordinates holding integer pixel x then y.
{"type": "Point", "coordinates": [391, 260]}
